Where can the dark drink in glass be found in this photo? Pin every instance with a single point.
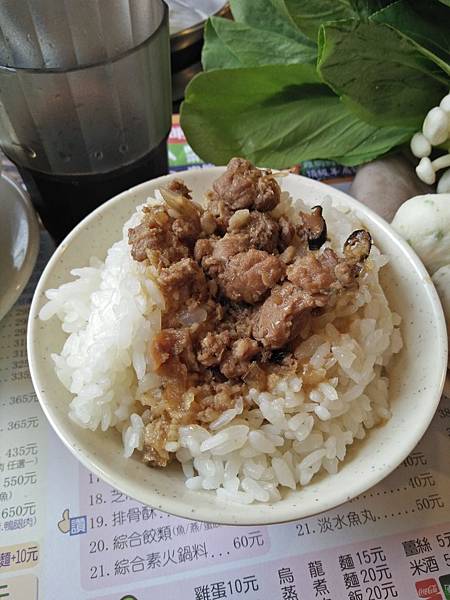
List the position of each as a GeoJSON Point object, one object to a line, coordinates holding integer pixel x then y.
{"type": "Point", "coordinates": [62, 201]}
{"type": "Point", "coordinates": [85, 107]}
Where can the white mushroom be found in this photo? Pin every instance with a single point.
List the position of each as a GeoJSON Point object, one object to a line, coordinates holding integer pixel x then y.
{"type": "Point", "coordinates": [435, 126]}
{"type": "Point", "coordinates": [445, 103]}
{"type": "Point", "coordinates": [443, 186]}
{"type": "Point", "coordinates": [420, 146]}
{"type": "Point", "coordinates": [425, 171]}
{"type": "Point", "coordinates": [441, 163]}
{"type": "Point", "coordinates": [424, 222]}
{"type": "Point", "coordinates": [435, 131]}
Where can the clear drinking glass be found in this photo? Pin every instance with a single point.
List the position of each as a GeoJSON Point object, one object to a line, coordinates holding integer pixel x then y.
{"type": "Point", "coordinates": [85, 100]}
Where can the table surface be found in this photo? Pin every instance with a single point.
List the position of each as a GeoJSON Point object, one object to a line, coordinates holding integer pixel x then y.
{"type": "Point", "coordinates": [64, 534]}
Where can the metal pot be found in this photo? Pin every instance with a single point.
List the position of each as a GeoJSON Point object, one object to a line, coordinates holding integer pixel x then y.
{"type": "Point", "coordinates": [186, 47]}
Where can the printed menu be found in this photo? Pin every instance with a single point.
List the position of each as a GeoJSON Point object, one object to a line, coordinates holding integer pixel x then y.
{"type": "Point", "coordinates": [67, 535]}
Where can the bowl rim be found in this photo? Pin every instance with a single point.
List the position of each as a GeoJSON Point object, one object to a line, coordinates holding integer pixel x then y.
{"type": "Point", "coordinates": [175, 506]}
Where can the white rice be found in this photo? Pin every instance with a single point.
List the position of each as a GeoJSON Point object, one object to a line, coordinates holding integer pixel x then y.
{"type": "Point", "coordinates": [293, 431]}
{"type": "Point", "coordinates": [110, 313]}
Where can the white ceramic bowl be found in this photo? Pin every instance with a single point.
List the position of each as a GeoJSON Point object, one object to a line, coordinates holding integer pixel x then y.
{"type": "Point", "coordinates": [417, 374]}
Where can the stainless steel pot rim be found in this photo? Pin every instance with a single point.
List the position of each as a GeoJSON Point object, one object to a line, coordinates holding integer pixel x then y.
{"type": "Point", "coordinates": [194, 33]}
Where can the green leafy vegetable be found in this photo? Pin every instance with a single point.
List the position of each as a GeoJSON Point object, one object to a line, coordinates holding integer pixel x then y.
{"type": "Point", "coordinates": [242, 45]}
{"type": "Point", "coordinates": [277, 115]}
{"type": "Point", "coordinates": [427, 26]}
{"type": "Point", "coordinates": [379, 66]}
{"type": "Point", "coordinates": [399, 85]}
{"type": "Point", "coordinates": [364, 8]}
{"type": "Point", "coordinates": [216, 54]}
{"type": "Point", "coordinates": [268, 15]}
{"type": "Point", "coordinates": [308, 15]}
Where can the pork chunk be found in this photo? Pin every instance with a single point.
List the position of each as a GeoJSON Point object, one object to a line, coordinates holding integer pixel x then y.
{"type": "Point", "coordinates": [263, 231]}
{"type": "Point", "coordinates": [181, 281]}
{"type": "Point", "coordinates": [237, 362]}
{"type": "Point", "coordinates": [212, 348]}
{"type": "Point", "coordinates": [314, 273]}
{"type": "Point", "coordinates": [186, 231]}
{"type": "Point", "coordinates": [213, 254]}
{"type": "Point", "coordinates": [280, 318]}
{"type": "Point", "coordinates": [248, 276]}
{"type": "Point", "coordinates": [174, 343]}
{"type": "Point", "coordinates": [154, 237]}
{"type": "Point", "coordinates": [244, 186]}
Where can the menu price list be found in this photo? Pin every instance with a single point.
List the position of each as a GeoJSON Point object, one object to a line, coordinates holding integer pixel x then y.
{"type": "Point", "coordinates": [415, 489]}
{"type": "Point", "coordinates": [128, 541]}
{"type": "Point", "coordinates": [20, 430]}
{"type": "Point", "coordinates": [390, 568]}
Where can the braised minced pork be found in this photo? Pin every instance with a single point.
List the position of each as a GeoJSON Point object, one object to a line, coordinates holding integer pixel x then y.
{"type": "Point", "coordinates": [239, 286]}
